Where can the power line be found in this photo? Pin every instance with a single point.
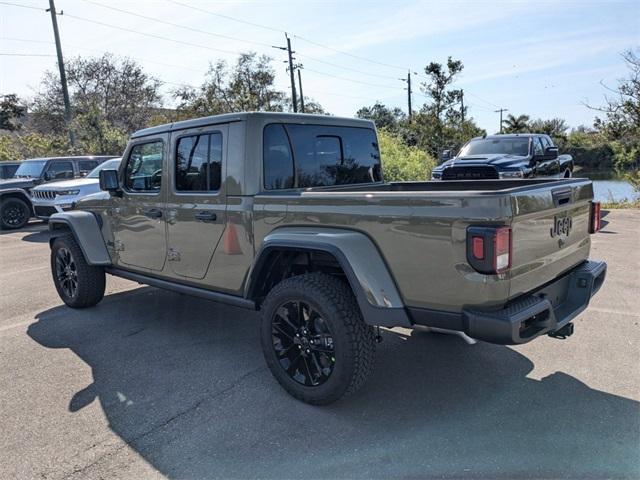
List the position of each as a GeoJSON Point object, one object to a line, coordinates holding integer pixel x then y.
{"type": "Point", "coordinates": [176, 25]}
{"type": "Point", "coordinates": [364, 59]}
{"type": "Point", "coordinates": [151, 35]}
{"type": "Point", "coordinates": [22, 6]}
{"type": "Point", "coordinates": [482, 99]}
{"type": "Point", "coordinates": [279, 30]}
{"type": "Point", "coordinates": [220, 15]}
{"type": "Point", "coordinates": [350, 79]}
{"type": "Point", "coordinates": [126, 55]}
{"type": "Point", "coordinates": [27, 55]}
{"type": "Point", "coordinates": [350, 69]}
{"type": "Point", "coordinates": [254, 24]}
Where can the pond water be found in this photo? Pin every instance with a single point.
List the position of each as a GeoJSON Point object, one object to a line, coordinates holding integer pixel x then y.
{"type": "Point", "coordinates": [608, 187]}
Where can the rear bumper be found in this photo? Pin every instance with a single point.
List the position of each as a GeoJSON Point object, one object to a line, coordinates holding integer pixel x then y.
{"type": "Point", "coordinates": [542, 311]}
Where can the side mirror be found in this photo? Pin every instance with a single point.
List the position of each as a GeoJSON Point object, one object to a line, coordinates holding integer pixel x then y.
{"type": "Point", "coordinates": [551, 153]}
{"type": "Point", "coordinates": [109, 181]}
{"type": "Point", "coordinates": [46, 176]}
{"type": "Point", "coordinates": [445, 155]}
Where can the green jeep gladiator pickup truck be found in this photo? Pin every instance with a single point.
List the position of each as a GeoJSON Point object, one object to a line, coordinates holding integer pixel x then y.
{"type": "Point", "coordinates": [289, 215]}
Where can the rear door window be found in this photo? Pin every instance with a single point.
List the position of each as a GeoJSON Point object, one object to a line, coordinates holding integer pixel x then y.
{"type": "Point", "coordinates": [199, 163]}
{"type": "Point", "coordinates": [85, 166]}
{"type": "Point", "coordinates": [322, 156]}
{"type": "Point", "coordinates": [60, 170]}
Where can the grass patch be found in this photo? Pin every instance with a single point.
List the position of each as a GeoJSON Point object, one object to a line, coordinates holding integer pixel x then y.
{"type": "Point", "coordinates": [621, 204]}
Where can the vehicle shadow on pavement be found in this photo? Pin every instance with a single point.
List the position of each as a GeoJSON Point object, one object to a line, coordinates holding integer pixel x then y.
{"type": "Point", "coordinates": [183, 382]}
{"type": "Point", "coordinates": [41, 235]}
{"type": "Point", "coordinates": [37, 229]}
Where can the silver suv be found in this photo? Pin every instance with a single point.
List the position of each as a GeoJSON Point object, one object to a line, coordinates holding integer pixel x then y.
{"type": "Point", "coordinates": [58, 197]}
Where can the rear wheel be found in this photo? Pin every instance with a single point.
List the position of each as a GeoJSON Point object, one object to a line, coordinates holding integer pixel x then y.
{"type": "Point", "coordinates": [314, 339]}
{"type": "Point", "coordinates": [79, 284]}
{"type": "Point", "coordinates": [14, 213]}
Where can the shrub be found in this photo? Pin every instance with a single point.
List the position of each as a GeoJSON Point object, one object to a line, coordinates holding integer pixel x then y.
{"type": "Point", "coordinates": [401, 162]}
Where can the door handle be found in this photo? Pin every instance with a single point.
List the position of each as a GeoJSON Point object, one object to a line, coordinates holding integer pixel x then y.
{"type": "Point", "coordinates": [153, 213]}
{"type": "Point", "coordinates": [206, 217]}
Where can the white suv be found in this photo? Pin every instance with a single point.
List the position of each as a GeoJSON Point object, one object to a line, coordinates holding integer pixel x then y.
{"type": "Point", "coordinates": [57, 197]}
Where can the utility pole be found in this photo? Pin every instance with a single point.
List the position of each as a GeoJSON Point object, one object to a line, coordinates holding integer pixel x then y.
{"type": "Point", "coordinates": [501, 110]}
{"type": "Point", "coordinates": [462, 105]}
{"type": "Point", "coordinates": [68, 116]}
{"type": "Point", "coordinates": [294, 99]}
{"type": "Point", "coordinates": [300, 85]}
{"type": "Point", "coordinates": [408, 80]}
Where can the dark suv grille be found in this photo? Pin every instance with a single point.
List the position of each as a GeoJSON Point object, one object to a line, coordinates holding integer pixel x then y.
{"type": "Point", "coordinates": [44, 211]}
{"type": "Point", "coordinates": [470, 173]}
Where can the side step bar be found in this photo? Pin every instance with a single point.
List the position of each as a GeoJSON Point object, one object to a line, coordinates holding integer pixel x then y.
{"type": "Point", "coordinates": [183, 288]}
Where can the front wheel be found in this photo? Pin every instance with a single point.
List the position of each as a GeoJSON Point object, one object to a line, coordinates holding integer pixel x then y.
{"type": "Point", "coordinates": [314, 338]}
{"type": "Point", "coordinates": [14, 213]}
{"type": "Point", "coordinates": [79, 284]}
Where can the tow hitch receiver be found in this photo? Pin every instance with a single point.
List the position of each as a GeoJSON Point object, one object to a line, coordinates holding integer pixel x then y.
{"type": "Point", "coordinates": [562, 333]}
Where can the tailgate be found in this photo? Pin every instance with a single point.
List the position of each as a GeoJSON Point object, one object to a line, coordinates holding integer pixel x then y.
{"type": "Point", "coordinates": [550, 233]}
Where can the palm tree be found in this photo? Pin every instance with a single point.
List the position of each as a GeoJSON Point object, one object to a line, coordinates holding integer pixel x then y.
{"type": "Point", "coordinates": [519, 124]}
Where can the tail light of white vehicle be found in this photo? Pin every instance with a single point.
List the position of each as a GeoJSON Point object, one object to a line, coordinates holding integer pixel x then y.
{"type": "Point", "coordinates": [489, 249]}
{"type": "Point", "coordinates": [594, 217]}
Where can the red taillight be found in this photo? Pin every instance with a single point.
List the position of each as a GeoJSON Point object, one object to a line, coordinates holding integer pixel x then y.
{"type": "Point", "coordinates": [594, 217]}
{"type": "Point", "coordinates": [489, 249]}
{"type": "Point", "coordinates": [502, 250]}
{"type": "Point", "coordinates": [478, 248]}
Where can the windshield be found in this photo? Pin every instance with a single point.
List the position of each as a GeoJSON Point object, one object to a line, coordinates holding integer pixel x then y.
{"type": "Point", "coordinates": [109, 165]}
{"type": "Point", "coordinates": [31, 169]}
{"type": "Point", "coordinates": [488, 146]}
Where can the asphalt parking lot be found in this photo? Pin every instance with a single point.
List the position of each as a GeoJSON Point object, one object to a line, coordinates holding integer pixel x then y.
{"type": "Point", "coordinates": [152, 384]}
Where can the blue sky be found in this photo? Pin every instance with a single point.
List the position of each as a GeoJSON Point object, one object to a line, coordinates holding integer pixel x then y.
{"type": "Point", "coordinates": [541, 58]}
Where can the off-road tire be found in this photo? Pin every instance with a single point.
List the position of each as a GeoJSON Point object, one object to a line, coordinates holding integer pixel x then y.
{"type": "Point", "coordinates": [14, 213]}
{"type": "Point", "coordinates": [354, 340]}
{"type": "Point", "coordinates": [90, 279]}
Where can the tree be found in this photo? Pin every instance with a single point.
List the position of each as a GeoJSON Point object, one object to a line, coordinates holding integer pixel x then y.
{"type": "Point", "coordinates": [110, 97]}
{"type": "Point", "coordinates": [519, 124]}
{"type": "Point", "coordinates": [438, 122]}
{"type": "Point", "coordinates": [12, 110]}
{"type": "Point", "coordinates": [383, 116]}
{"type": "Point", "coordinates": [443, 100]}
{"type": "Point", "coordinates": [556, 128]}
{"type": "Point", "coordinates": [621, 121]}
{"type": "Point", "coordinates": [247, 86]}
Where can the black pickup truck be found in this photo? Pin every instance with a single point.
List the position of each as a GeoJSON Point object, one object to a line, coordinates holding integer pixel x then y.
{"type": "Point", "coordinates": [512, 156]}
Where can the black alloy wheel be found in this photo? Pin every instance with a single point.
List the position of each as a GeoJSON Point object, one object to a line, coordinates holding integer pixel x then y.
{"type": "Point", "coordinates": [303, 343]}
{"type": "Point", "coordinates": [15, 213]}
{"type": "Point", "coordinates": [66, 272]}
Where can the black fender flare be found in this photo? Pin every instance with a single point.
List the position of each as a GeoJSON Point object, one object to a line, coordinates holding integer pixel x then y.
{"type": "Point", "coordinates": [87, 232]}
{"type": "Point", "coordinates": [368, 275]}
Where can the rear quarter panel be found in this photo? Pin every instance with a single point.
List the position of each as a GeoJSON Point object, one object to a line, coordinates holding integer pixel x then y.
{"type": "Point", "coordinates": [421, 238]}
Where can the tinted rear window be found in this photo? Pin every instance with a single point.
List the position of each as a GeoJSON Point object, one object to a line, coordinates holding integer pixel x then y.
{"type": "Point", "coordinates": [301, 156]}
